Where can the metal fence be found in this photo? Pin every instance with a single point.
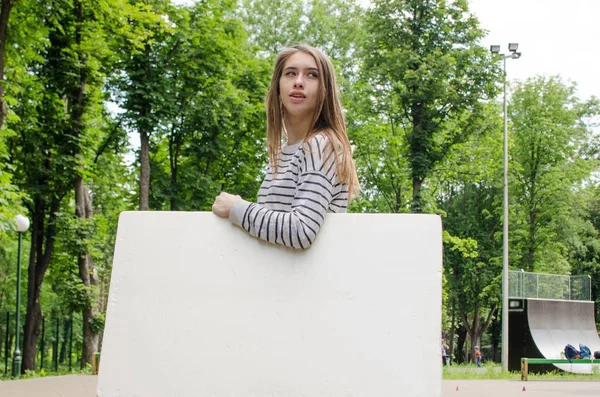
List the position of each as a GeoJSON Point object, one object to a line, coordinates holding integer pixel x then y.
{"type": "Point", "coordinates": [549, 286]}
{"type": "Point", "coordinates": [59, 346]}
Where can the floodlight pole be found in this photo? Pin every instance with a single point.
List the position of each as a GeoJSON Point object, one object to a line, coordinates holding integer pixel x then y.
{"type": "Point", "coordinates": [505, 237]}
{"type": "Point", "coordinates": [514, 55]}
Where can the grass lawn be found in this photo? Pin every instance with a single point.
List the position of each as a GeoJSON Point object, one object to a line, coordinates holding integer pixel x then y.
{"type": "Point", "coordinates": [492, 371]}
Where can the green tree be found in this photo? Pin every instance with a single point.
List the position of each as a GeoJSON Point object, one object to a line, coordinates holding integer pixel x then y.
{"type": "Point", "coordinates": [58, 113]}
{"type": "Point", "coordinates": [585, 245]}
{"type": "Point", "coordinates": [426, 76]}
{"type": "Point", "coordinates": [19, 39]}
{"type": "Point", "coordinates": [140, 79]}
{"type": "Point", "coordinates": [273, 24]}
{"type": "Point", "coordinates": [10, 196]}
{"type": "Point", "coordinates": [211, 133]}
{"type": "Point", "coordinates": [468, 189]}
{"type": "Point", "coordinates": [5, 9]}
{"type": "Point", "coordinates": [39, 154]}
{"type": "Point", "coordinates": [550, 165]}
{"type": "Point", "coordinates": [334, 26]}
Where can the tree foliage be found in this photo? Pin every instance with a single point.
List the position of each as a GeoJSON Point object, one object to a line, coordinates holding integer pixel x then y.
{"type": "Point", "coordinates": [426, 77]}
{"type": "Point", "coordinates": [551, 164]}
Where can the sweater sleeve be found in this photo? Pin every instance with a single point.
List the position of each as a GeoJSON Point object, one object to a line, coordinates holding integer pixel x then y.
{"type": "Point", "coordinates": [298, 227]}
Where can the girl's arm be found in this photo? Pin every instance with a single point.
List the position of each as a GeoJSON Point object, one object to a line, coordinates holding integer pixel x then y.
{"type": "Point", "coordinates": [297, 228]}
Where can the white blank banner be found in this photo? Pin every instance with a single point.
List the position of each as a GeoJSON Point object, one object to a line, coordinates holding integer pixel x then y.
{"type": "Point", "coordinates": [199, 308]}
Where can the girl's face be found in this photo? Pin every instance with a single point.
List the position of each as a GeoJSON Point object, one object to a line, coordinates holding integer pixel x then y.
{"type": "Point", "coordinates": [299, 84]}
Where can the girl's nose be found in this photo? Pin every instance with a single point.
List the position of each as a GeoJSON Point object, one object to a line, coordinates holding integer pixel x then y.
{"type": "Point", "coordinates": [299, 82]}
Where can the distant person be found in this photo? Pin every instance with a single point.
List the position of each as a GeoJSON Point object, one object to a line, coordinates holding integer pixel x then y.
{"type": "Point", "coordinates": [444, 352]}
{"type": "Point", "coordinates": [477, 356]}
{"type": "Point", "coordinates": [311, 171]}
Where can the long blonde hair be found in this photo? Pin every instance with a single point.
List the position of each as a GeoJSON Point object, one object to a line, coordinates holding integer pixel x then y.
{"type": "Point", "coordinates": [328, 118]}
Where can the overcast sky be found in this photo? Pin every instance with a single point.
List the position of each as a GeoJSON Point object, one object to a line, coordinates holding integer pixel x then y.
{"type": "Point", "coordinates": [556, 37]}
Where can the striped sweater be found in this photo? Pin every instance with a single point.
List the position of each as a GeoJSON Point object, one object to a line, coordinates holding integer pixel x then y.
{"type": "Point", "coordinates": [292, 204]}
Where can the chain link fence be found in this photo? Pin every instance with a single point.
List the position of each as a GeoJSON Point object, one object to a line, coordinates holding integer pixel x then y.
{"type": "Point", "coordinates": [549, 286]}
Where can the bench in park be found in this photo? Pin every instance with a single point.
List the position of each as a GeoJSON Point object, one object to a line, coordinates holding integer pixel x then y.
{"type": "Point", "coordinates": [526, 361]}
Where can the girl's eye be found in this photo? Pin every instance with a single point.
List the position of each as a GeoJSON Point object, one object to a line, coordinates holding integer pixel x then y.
{"type": "Point", "coordinates": [290, 73]}
{"type": "Point", "coordinates": [313, 74]}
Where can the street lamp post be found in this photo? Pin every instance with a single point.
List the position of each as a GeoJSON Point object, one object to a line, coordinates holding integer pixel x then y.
{"type": "Point", "coordinates": [512, 54]}
{"type": "Point", "coordinates": [22, 226]}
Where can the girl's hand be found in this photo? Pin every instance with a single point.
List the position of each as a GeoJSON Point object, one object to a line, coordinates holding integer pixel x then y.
{"type": "Point", "coordinates": [223, 203]}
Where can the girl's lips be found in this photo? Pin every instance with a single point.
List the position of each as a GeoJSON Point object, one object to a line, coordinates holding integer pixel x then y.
{"type": "Point", "coordinates": [297, 94]}
{"type": "Point", "coordinates": [297, 99]}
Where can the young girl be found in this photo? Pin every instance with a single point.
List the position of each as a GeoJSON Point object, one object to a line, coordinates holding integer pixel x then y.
{"type": "Point", "coordinates": [310, 174]}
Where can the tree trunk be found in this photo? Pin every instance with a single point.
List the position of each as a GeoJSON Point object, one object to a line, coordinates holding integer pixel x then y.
{"type": "Point", "coordinates": [9, 345]}
{"type": "Point", "coordinates": [42, 247]}
{"type": "Point", "coordinates": [532, 198]}
{"type": "Point", "coordinates": [144, 169]}
{"type": "Point", "coordinates": [531, 243]}
{"type": "Point", "coordinates": [4, 15]}
{"type": "Point", "coordinates": [460, 344]}
{"type": "Point", "coordinates": [452, 330]}
{"type": "Point", "coordinates": [55, 331]}
{"type": "Point", "coordinates": [496, 333]}
{"type": "Point", "coordinates": [65, 340]}
{"type": "Point", "coordinates": [417, 205]}
{"type": "Point", "coordinates": [102, 303]}
{"type": "Point", "coordinates": [87, 273]}
{"type": "Point", "coordinates": [83, 201]}
{"type": "Point", "coordinates": [474, 334]}
{"type": "Point", "coordinates": [173, 163]}
{"type": "Point", "coordinates": [417, 139]}
{"type": "Point", "coordinates": [476, 328]}
{"type": "Point", "coordinates": [418, 156]}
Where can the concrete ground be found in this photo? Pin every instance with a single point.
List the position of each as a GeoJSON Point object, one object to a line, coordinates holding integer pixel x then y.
{"type": "Point", "coordinates": [85, 386]}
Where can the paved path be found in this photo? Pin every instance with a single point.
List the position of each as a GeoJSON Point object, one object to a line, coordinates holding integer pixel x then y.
{"type": "Point", "coordinates": [54, 386]}
{"type": "Point", "coordinates": [501, 388]}
{"type": "Point", "coordinates": [85, 386]}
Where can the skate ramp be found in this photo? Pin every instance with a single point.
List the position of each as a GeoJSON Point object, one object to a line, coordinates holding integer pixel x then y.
{"type": "Point", "coordinates": [197, 307]}
{"type": "Point", "coordinates": [554, 324]}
